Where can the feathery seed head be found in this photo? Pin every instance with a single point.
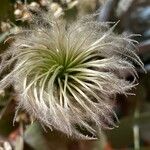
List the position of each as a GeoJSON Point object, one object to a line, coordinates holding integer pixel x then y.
{"type": "Point", "coordinates": [67, 76]}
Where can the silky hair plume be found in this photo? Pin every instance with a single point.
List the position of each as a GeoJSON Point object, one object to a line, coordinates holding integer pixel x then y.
{"type": "Point", "coordinates": [68, 75]}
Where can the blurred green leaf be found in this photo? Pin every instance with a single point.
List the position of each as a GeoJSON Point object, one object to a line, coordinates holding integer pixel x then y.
{"type": "Point", "coordinates": [6, 125]}
{"type": "Point", "coordinates": [6, 120]}
{"type": "Point", "coordinates": [4, 8]}
{"type": "Point", "coordinates": [123, 135]}
{"type": "Point", "coordinates": [4, 35]}
{"type": "Point", "coordinates": [34, 137]}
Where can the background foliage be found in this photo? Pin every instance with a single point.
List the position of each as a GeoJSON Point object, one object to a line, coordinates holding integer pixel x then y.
{"type": "Point", "coordinates": [133, 111]}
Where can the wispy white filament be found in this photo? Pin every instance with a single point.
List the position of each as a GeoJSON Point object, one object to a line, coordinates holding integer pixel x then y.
{"type": "Point", "coordinates": [67, 76]}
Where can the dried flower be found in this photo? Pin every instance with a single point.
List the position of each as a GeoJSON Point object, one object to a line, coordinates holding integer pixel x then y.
{"type": "Point", "coordinates": [34, 6]}
{"type": "Point", "coordinates": [4, 145]}
{"type": "Point", "coordinates": [56, 9]}
{"type": "Point", "coordinates": [5, 26]}
{"type": "Point", "coordinates": [18, 13]}
{"type": "Point", "coordinates": [67, 76]}
{"type": "Point", "coordinates": [44, 2]}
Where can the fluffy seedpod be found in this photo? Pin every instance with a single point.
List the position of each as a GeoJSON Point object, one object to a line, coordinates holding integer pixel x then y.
{"type": "Point", "coordinates": [67, 76]}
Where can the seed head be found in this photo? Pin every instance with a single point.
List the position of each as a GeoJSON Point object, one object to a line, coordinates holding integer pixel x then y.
{"type": "Point", "coordinates": [67, 76]}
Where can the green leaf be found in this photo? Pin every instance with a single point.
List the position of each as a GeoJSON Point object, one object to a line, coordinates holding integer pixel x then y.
{"type": "Point", "coordinates": [34, 137]}
{"type": "Point", "coordinates": [123, 135]}
{"type": "Point", "coordinates": [4, 35]}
